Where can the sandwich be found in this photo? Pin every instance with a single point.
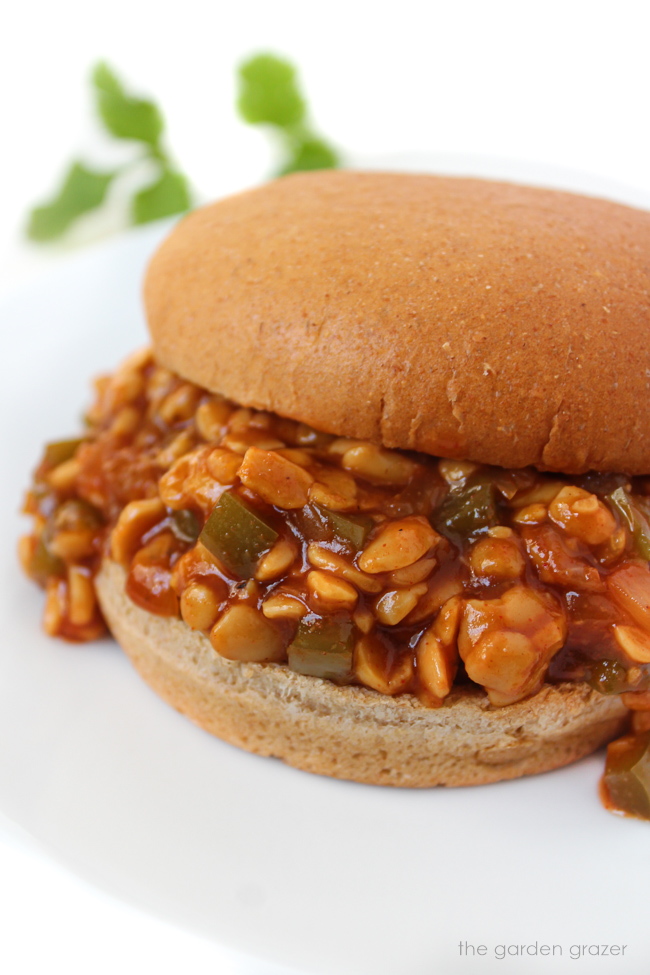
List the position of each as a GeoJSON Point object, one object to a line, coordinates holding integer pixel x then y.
{"type": "Point", "coordinates": [377, 500]}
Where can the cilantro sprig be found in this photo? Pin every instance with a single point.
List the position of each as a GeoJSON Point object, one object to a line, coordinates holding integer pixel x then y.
{"type": "Point", "coordinates": [83, 189]}
{"type": "Point", "coordinates": [269, 95]}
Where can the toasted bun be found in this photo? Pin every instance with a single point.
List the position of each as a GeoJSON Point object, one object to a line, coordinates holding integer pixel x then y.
{"type": "Point", "coordinates": [463, 318]}
{"type": "Point", "coordinates": [352, 732]}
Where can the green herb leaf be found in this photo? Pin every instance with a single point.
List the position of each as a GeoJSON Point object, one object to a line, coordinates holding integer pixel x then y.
{"type": "Point", "coordinates": [125, 116]}
{"type": "Point", "coordinates": [168, 195]}
{"type": "Point", "coordinates": [104, 78]}
{"type": "Point", "coordinates": [311, 153]}
{"type": "Point", "coordinates": [270, 95]}
{"type": "Point", "coordinates": [269, 92]}
{"type": "Point", "coordinates": [82, 190]}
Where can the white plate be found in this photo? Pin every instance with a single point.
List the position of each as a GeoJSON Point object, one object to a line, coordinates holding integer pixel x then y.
{"type": "Point", "coordinates": [298, 870]}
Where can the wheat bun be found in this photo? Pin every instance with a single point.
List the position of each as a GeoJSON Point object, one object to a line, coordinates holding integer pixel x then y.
{"type": "Point", "coordinates": [490, 322]}
{"type": "Point", "coordinates": [353, 732]}
{"type": "Point", "coordinates": [464, 318]}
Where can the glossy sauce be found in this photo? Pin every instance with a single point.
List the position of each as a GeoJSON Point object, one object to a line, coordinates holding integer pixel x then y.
{"type": "Point", "coordinates": [488, 542]}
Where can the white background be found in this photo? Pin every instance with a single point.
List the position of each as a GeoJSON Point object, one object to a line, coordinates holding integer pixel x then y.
{"type": "Point", "coordinates": [560, 83]}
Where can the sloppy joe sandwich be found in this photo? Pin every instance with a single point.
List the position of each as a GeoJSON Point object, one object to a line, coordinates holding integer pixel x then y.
{"type": "Point", "coordinates": [377, 501]}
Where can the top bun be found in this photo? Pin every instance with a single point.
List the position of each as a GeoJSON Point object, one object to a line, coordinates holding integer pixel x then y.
{"type": "Point", "coordinates": [470, 319]}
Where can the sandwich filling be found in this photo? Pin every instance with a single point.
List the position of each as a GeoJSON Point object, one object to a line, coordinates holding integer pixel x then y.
{"type": "Point", "coordinates": [339, 558]}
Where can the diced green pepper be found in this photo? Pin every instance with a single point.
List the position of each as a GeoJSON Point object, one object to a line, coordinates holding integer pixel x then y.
{"type": "Point", "coordinates": [312, 523]}
{"type": "Point", "coordinates": [351, 528]}
{"type": "Point", "coordinates": [641, 534]}
{"type": "Point", "coordinates": [318, 524]}
{"type": "Point", "coordinates": [420, 496]}
{"type": "Point", "coordinates": [43, 564]}
{"type": "Point", "coordinates": [627, 774]}
{"type": "Point", "coordinates": [468, 509]}
{"type": "Point", "coordinates": [77, 513]}
{"type": "Point", "coordinates": [323, 648]}
{"type": "Point", "coordinates": [620, 501]}
{"type": "Point", "coordinates": [185, 525]}
{"type": "Point", "coordinates": [600, 483]}
{"type": "Point", "coordinates": [608, 677]}
{"type": "Point", "coordinates": [236, 535]}
{"type": "Point", "coordinates": [61, 450]}
{"type": "Point", "coordinates": [633, 519]}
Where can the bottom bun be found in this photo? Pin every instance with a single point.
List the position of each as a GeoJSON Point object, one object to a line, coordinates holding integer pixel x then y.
{"type": "Point", "coordinates": [353, 732]}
